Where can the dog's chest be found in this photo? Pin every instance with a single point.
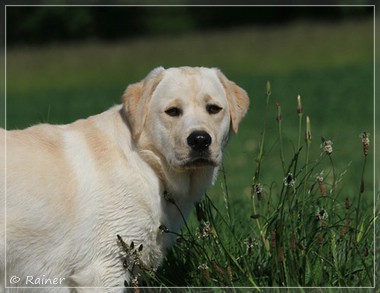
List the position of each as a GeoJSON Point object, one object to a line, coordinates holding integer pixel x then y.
{"type": "Point", "coordinates": [143, 214]}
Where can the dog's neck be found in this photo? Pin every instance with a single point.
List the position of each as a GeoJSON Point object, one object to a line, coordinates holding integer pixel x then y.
{"type": "Point", "coordinates": [180, 190]}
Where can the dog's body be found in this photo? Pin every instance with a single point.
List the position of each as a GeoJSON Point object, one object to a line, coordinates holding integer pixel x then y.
{"type": "Point", "coordinates": [134, 171]}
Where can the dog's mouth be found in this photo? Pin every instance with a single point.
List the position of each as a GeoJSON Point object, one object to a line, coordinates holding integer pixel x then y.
{"type": "Point", "coordinates": [195, 160]}
{"type": "Point", "coordinates": [200, 160]}
{"type": "Point", "coordinates": [199, 163]}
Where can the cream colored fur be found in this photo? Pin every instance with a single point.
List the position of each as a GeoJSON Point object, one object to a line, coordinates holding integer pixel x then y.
{"type": "Point", "coordinates": [71, 189]}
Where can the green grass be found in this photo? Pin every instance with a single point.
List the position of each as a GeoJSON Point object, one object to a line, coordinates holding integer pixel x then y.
{"type": "Point", "coordinates": [329, 64]}
{"type": "Point", "coordinates": [302, 230]}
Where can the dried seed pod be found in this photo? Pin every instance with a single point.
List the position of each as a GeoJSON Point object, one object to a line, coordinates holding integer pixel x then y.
{"type": "Point", "coordinates": [273, 239]}
{"type": "Point", "coordinates": [299, 105]}
{"type": "Point", "coordinates": [268, 89]}
{"type": "Point", "coordinates": [258, 190]}
{"type": "Point", "coordinates": [229, 274]}
{"type": "Point", "coordinates": [216, 267]}
{"type": "Point", "coordinates": [281, 256]}
{"type": "Point", "coordinates": [320, 238]}
{"type": "Point", "coordinates": [347, 204]}
{"type": "Point", "coordinates": [308, 131]}
{"type": "Point", "coordinates": [365, 140]}
{"type": "Point", "coordinates": [321, 185]}
{"type": "Point", "coordinates": [293, 242]}
{"type": "Point", "coordinates": [279, 113]}
{"type": "Point", "coordinates": [327, 146]}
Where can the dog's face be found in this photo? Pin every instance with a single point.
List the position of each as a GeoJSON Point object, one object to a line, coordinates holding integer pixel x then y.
{"type": "Point", "coordinates": [184, 114]}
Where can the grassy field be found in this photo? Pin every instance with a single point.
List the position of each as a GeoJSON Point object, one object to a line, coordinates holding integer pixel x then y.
{"type": "Point", "coordinates": [329, 64]}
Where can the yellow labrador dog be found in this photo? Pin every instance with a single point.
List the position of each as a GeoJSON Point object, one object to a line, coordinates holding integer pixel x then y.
{"type": "Point", "coordinates": [135, 171]}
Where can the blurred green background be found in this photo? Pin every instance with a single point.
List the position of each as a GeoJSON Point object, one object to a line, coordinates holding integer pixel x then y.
{"type": "Point", "coordinates": [65, 63]}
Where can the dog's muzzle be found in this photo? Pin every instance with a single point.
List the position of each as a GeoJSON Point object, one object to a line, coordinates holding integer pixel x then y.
{"type": "Point", "coordinates": [199, 142]}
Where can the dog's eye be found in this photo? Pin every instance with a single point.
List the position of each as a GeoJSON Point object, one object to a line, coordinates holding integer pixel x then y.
{"type": "Point", "coordinates": [174, 112]}
{"type": "Point", "coordinates": [213, 109]}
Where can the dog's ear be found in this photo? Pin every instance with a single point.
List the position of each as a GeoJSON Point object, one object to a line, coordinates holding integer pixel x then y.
{"type": "Point", "coordinates": [136, 100]}
{"type": "Point", "coordinates": [237, 98]}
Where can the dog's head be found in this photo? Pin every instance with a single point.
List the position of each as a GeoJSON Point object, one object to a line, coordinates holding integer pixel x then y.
{"type": "Point", "coordinates": [185, 114]}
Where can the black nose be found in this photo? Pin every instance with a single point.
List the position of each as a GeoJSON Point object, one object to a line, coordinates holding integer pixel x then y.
{"type": "Point", "coordinates": [199, 140]}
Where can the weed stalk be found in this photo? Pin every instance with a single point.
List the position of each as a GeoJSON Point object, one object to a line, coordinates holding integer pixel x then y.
{"type": "Point", "coordinates": [365, 141]}
{"type": "Point", "coordinates": [279, 123]}
{"type": "Point", "coordinates": [300, 115]}
{"type": "Point", "coordinates": [256, 178]}
{"type": "Point", "coordinates": [260, 156]}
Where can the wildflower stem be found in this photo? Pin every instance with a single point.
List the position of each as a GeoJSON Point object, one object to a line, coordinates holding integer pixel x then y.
{"type": "Point", "coordinates": [308, 138]}
{"type": "Point", "coordinates": [361, 191]}
{"type": "Point", "coordinates": [260, 156]}
{"type": "Point", "coordinates": [300, 115]}
{"type": "Point", "coordinates": [261, 230]}
{"type": "Point", "coordinates": [226, 195]}
{"type": "Point", "coordinates": [281, 147]}
{"type": "Point", "coordinates": [308, 142]}
{"type": "Point", "coordinates": [334, 173]}
{"type": "Point", "coordinates": [334, 194]}
{"type": "Point", "coordinates": [299, 130]}
{"type": "Point", "coordinates": [256, 178]}
{"type": "Point", "coordinates": [306, 167]}
{"type": "Point", "coordinates": [279, 120]}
